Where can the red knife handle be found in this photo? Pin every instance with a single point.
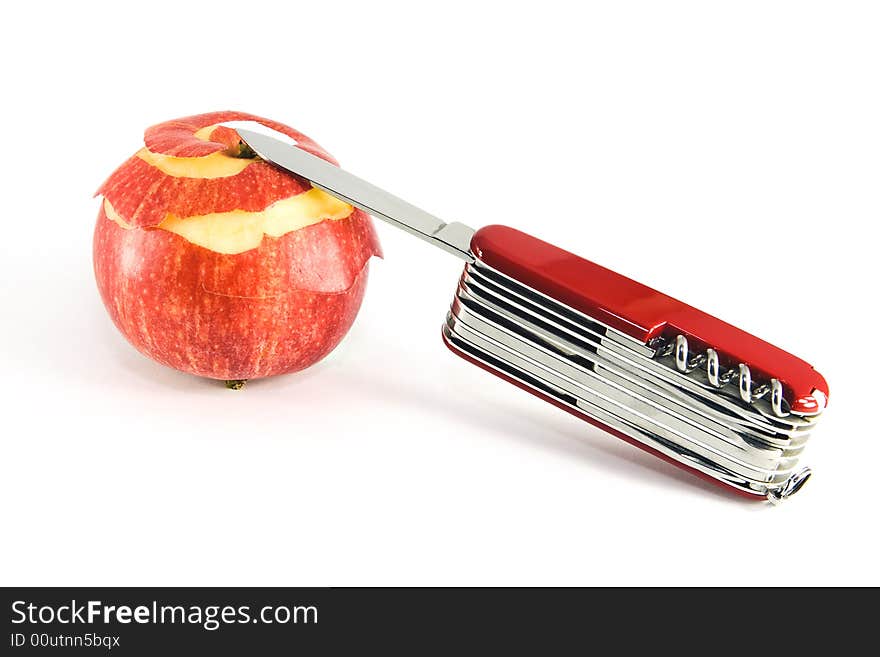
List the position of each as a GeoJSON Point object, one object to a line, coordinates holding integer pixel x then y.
{"type": "Point", "coordinates": [641, 312]}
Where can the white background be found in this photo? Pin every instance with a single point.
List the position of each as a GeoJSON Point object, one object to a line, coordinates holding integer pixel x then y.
{"type": "Point", "coordinates": [725, 153]}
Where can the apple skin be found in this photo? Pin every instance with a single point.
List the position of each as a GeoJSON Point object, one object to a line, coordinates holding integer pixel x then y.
{"type": "Point", "coordinates": [270, 310]}
{"type": "Point", "coordinates": [223, 316]}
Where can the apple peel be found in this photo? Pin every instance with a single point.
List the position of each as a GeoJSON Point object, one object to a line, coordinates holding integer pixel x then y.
{"type": "Point", "coordinates": [185, 137]}
{"type": "Point", "coordinates": [245, 208]}
{"type": "Point", "coordinates": [143, 194]}
{"type": "Point", "coordinates": [303, 254]}
{"type": "Point", "coordinates": [181, 171]}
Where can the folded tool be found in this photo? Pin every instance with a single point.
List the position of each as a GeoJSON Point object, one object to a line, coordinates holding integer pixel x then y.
{"type": "Point", "coordinates": [643, 366]}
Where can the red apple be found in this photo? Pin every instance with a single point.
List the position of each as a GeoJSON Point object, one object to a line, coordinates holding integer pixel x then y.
{"type": "Point", "coordinates": [212, 261]}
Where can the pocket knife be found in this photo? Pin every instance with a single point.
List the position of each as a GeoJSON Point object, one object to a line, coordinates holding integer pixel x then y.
{"type": "Point", "coordinates": [647, 368]}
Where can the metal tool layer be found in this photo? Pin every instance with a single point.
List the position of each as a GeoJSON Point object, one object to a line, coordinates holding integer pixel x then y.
{"type": "Point", "coordinates": [609, 377]}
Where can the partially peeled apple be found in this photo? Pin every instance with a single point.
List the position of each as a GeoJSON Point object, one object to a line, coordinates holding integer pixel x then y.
{"type": "Point", "coordinates": [214, 262]}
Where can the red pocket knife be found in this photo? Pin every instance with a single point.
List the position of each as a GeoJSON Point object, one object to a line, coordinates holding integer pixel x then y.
{"type": "Point", "coordinates": [641, 365]}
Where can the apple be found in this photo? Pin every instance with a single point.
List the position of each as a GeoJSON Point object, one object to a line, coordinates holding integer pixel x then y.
{"type": "Point", "coordinates": [214, 262]}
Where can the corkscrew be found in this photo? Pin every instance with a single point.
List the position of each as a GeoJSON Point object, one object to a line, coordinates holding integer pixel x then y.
{"type": "Point", "coordinates": [660, 374]}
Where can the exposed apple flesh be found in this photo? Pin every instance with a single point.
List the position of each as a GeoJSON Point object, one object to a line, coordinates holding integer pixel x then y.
{"type": "Point", "coordinates": [214, 165]}
{"type": "Point", "coordinates": [218, 264]}
{"type": "Point", "coordinates": [237, 231]}
{"type": "Point", "coordinates": [144, 193]}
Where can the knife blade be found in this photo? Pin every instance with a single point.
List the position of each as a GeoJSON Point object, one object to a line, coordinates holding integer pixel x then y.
{"type": "Point", "coordinates": [454, 237]}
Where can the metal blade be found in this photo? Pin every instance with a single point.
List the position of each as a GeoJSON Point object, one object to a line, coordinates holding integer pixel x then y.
{"type": "Point", "coordinates": [453, 237]}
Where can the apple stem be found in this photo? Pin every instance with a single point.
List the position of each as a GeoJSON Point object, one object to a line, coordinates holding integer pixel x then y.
{"type": "Point", "coordinates": [245, 151]}
{"type": "Point", "coordinates": [236, 384]}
